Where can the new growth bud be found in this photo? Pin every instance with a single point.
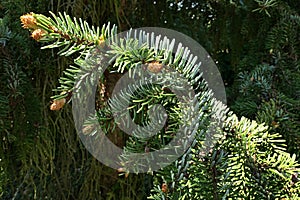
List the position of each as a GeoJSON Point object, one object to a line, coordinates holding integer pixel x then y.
{"type": "Point", "coordinates": [58, 104]}
{"type": "Point", "coordinates": [38, 34]}
{"type": "Point", "coordinates": [29, 21]}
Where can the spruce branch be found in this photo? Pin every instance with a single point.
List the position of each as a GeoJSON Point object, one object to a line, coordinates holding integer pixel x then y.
{"type": "Point", "coordinates": [75, 35]}
{"type": "Point", "coordinates": [72, 36]}
{"type": "Point", "coordinates": [247, 160]}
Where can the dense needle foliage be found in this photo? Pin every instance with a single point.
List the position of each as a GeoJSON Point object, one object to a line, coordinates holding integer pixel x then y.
{"type": "Point", "coordinates": [256, 47]}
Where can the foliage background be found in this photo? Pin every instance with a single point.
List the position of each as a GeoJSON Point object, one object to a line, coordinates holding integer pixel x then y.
{"type": "Point", "coordinates": [255, 45]}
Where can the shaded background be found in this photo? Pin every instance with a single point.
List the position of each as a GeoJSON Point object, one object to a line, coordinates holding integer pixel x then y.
{"type": "Point", "coordinates": [255, 46]}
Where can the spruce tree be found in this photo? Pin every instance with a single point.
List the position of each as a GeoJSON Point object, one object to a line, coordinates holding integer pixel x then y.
{"type": "Point", "coordinates": [248, 162]}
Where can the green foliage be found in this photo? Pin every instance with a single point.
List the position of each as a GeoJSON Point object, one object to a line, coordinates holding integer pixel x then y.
{"type": "Point", "coordinates": [20, 116]}
{"type": "Point", "coordinates": [255, 44]}
{"type": "Point", "coordinates": [74, 36]}
{"type": "Point", "coordinates": [247, 162]}
{"type": "Point", "coordinates": [269, 84]}
{"type": "Point", "coordinates": [256, 161]}
{"type": "Point", "coordinates": [40, 156]}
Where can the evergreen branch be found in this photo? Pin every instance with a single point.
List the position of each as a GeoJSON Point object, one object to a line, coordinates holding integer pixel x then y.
{"type": "Point", "coordinates": [242, 164]}
{"type": "Point", "coordinates": [70, 35]}
{"type": "Point", "coordinates": [74, 35]}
